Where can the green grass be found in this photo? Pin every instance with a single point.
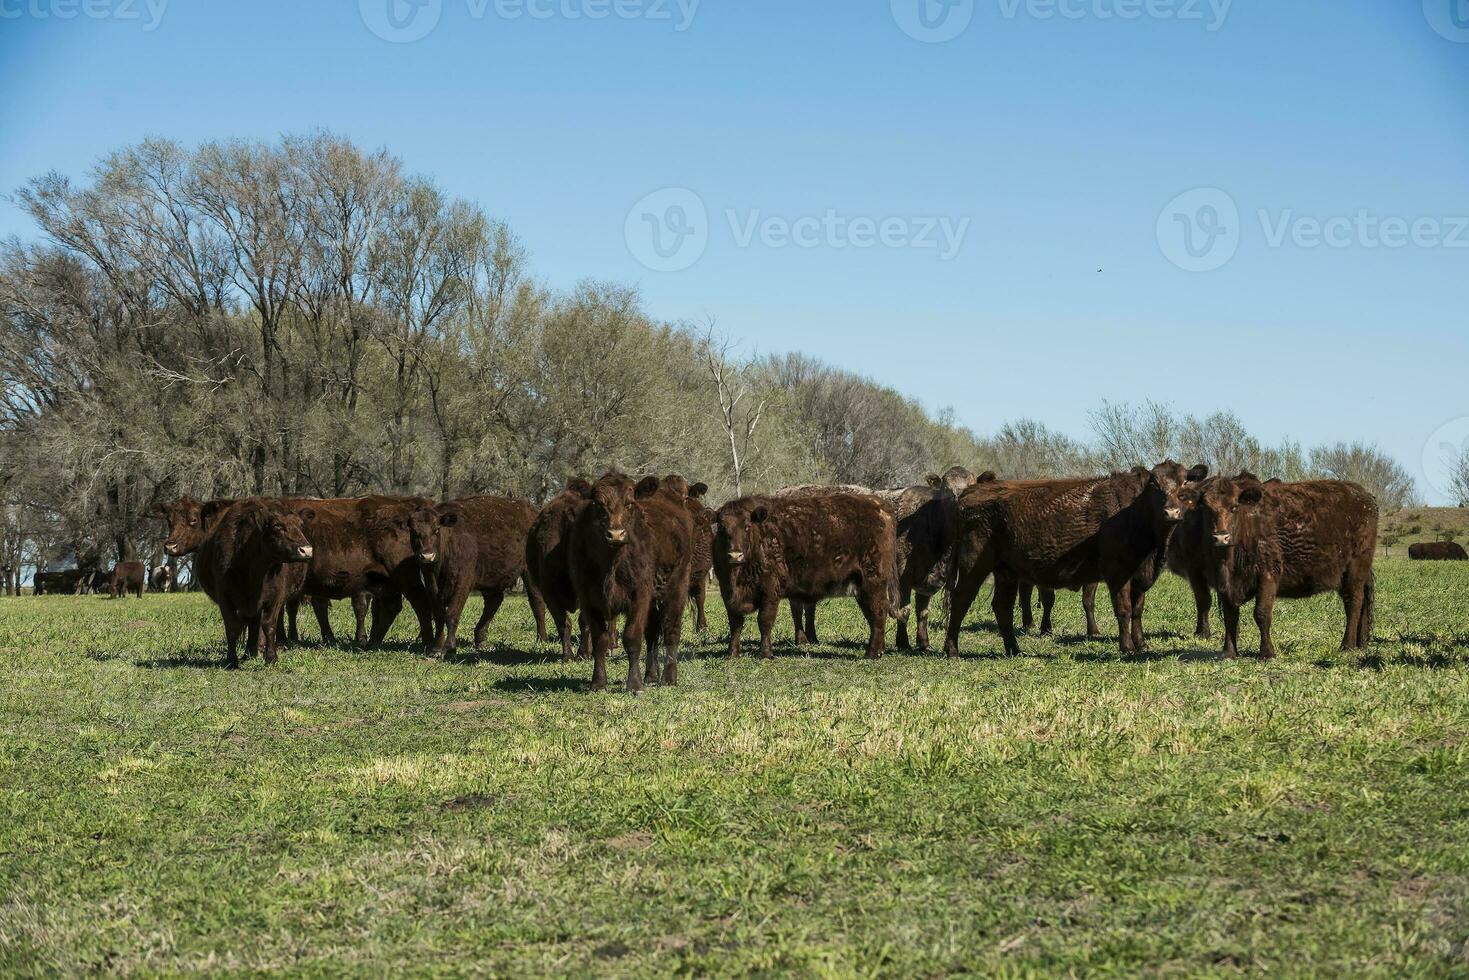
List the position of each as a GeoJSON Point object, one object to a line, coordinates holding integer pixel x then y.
{"type": "Point", "coordinates": [1068, 812]}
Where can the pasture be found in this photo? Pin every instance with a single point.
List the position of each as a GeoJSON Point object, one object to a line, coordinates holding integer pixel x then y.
{"type": "Point", "coordinates": [1070, 811]}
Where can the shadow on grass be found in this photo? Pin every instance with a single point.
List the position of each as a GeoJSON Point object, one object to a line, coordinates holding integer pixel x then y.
{"type": "Point", "coordinates": [193, 659]}
{"type": "Point", "coordinates": [543, 685]}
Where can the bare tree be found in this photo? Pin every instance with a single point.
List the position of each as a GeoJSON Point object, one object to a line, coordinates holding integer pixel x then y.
{"type": "Point", "coordinates": [737, 415]}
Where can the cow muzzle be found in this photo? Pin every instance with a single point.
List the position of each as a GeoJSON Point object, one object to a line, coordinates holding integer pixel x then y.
{"type": "Point", "coordinates": [736, 557]}
{"type": "Point", "coordinates": [1223, 540]}
{"type": "Point", "coordinates": [170, 548]}
{"type": "Point", "coordinates": [617, 536]}
{"type": "Point", "coordinates": [428, 557]}
{"type": "Point", "coordinates": [304, 552]}
{"type": "Point", "coordinates": [1174, 514]}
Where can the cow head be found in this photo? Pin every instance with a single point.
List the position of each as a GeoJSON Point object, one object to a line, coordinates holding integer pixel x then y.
{"type": "Point", "coordinates": [185, 520]}
{"type": "Point", "coordinates": [676, 485]}
{"type": "Point", "coordinates": [957, 479]}
{"type": "Point", "coordinates": [1226, 507]}
{"type": "Point", "coordinates": [428, 528]}
{"type": "Point", "coordinates": [1165, 490]}
{"type": "Point", "coordinates": [610, 505]}
{"type": "Point", "coordinates": [284, 533]}
{"type": "Point", "coordinates": [737, 530]}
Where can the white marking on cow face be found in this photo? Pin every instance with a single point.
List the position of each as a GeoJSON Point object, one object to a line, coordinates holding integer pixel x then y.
{"type": "Point", "coordinates": [736, 557]}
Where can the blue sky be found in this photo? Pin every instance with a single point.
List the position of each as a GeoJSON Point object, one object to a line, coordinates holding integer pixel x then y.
{"type": "Point", "coordinates": [1056, 133]}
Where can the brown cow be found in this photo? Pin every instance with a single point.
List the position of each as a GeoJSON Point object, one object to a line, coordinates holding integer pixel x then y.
{"type": "Point", "coordinates": [927, 528]}
{"type": "Point", "coordinates": [1065, 534]}
{"type": "Point", "coordinates": [808, 548]}
{"type": "Point", "coordinates": [342, 559]}
{"type": "Point", "coordinates": [476, 544]}
{"type": "Point", "coordinates": [1292, 540]}
{"type": "Point", "coordinates": [548, 562]}
{"type": "Point", "coordinates": [703, 561]}
{"type": "Point", "coordinates": [127, 576]}
{"type": "Point", "coordinates": [56, 583]}
{"type": "Point", "coordinates": [1188, 557]}
{"type": "Point", "coordinates": [631, 549]}
{"type": "Point", "coordinates": [253, 558]}
{"type": "Point", "coordinates": [1437, 551]}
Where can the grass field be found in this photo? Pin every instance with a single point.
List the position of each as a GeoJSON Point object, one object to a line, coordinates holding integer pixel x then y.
{"type": "Point", "coordinates": [1066, 812]}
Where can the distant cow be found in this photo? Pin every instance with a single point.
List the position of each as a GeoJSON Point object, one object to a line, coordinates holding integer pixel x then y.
{"type": "Point", "coordinates": [56, 583]}
{"type": "Point", "coordinates": [128, 576]}
{"type": "Point", "coordinates": [160, 579]}
{"type": "Point", "coordinates": [476, 544]}
{"type": "Point", "coordinates": [1437, 551]}
{"type": "Point", "coordinates": [927, 529]}
{"type": "Point", "coordinates": [1292, 540]}
{"type": "Point", "coordinates": [251, 561]}
{"type": "Point", "coordinates": [1064, 534]}
{"type": "Point", "coordinates": [631, 549]}
{"type": "Point", "coordinates": [548, 561]}
{"type": "Point", "coordinates": [692, 498]}
{"type": "Point", "coordinates": [807, 548]}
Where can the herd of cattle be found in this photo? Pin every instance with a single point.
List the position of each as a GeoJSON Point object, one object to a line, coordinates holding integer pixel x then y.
{"type": "Point", "coordinates": [640, 551]}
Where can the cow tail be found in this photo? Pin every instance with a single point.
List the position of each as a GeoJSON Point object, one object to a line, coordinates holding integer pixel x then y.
{"type": "Point", "coordinates": [895, 597]}
{"type": "Point", "coordinates": [1369, 600]}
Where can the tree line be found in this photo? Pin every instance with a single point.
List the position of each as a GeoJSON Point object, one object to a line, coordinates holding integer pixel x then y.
{"type": "Point", "coordinates": [308, 317]}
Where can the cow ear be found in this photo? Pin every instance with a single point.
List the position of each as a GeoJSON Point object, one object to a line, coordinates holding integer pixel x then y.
{"type": "Point", "coordinates": [449, 518]}
{"type": "Point", "coordinates": [1274, 481]}
{"type": "Point", "coordinates": [1247, 475]}
{"type": "Point", "coordinates": [1250, 496]}
{"type": "Point", "coordinates": [934, 480]}
{"type": "Point", "coordinates": [1189, 495]}
{"type": "Point", "coordinates": [698, 490]}
{"type": "Point", "coordinates": [307, 514]}
{"type": "Point", "coordinates": [988, 476]}
{"type": "Point", "coordinates": [1198, 474]}
{"type": "Point", "coordinates": [646, 487]}
{"type": "Point", "coordinates": [580, 487]}
{"type": "Point", "coordinates": [758, 515]}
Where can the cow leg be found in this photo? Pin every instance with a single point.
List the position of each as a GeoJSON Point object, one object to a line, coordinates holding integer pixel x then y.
{"type": "Point", "coordinates": [652, 637]}
{"type": "Point", "coordinates": [1006, 591]}
{"type": "Point", "coordinates": [1089, 606]}
{"type": "Point", "coordinates": [1122, 609]}
{"type": "Point", "coordinates": [584, 638]}
{"type": "Point", "coordinates": [252, 636]}
{"type": "Point", "coordinates": [322, 608]}
{"type": "Point", "coordinates": [697, 589]}
{"type": "Point", "coordinates": [1264, 613]}
{"type": "Point", "coordinates": [1229, 612]}
{"type": "Point", "coordinates": [562, 620]}
{"type": "Point", "coordinates": [424, 609]}
{"type": "Point", "coordinates": [1048, 605]}
{"type": "Point", "coordinates": [905, 601]}
{"type": "Point", "coordinates": [269, 632]}
{"type": "Point", "coordinates": [1203, 601]}
{"type": "Point", "coordinates": [809, 609]}
{"type": "Point", "coordinates": [874, 606]}
{"type": "Point", "coordinates": [492, 606]}
{"type": "Point", "coordinates": [385, 609]}
{"type": "Point", "coordinates": [797, 623]}
{"type": "Point", "coordinates": [1140, 599]}
{"type": "Point", "coordinates": [736, 627]}
{"type": "Point", "coordinates": [232, 627]}
{"type": "Point", "coordinates": [1368, 593]}
{"type": "Point", "coordinates": [361, 605]}
{"type": "Point", "coordinates": [920, 610]}
{"type": "Point", "coordinates": [672, 640]}
{"type": "Point", "coordinates": [766, 618]}
{"type": "Point", "coordinates": [1027, 617]}
{"type": "Point", "coordinates": [601, 634]}
{"type": "Point", "coordinates": [537, 606]}
{"type": "Point", "coordinates": [960, 599]}
{"type": "Point", "coordinates": [632, 638]}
